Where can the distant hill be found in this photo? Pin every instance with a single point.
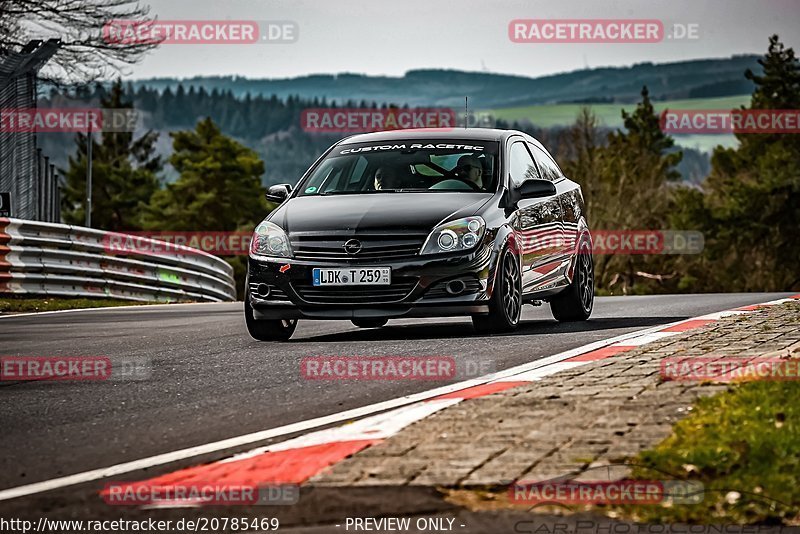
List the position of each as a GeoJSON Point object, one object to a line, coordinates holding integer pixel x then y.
{"type": "Point", "coordinates": [268, 121]}
{"type": "Point", "coordinates": [667, 81]}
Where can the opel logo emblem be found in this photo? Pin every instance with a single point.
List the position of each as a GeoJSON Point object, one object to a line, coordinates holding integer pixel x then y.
{"type": "Point", "coordinates": [352, 246]}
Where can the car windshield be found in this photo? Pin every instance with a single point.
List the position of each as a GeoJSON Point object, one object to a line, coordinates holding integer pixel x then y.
{"type": "Point", "coordinates": [468, 166]}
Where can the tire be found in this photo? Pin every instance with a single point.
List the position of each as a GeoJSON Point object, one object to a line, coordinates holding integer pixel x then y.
{"type": "Point", "coordinates": [267, 330]}
{"type": "Point", "coordinates": [505, 306]}
{"type": "Point", "coordinates": [576, 302]}
{"type": "Point", "coordinates": [369, 322]}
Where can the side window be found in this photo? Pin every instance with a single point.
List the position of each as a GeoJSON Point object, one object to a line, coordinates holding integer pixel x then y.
{"type": "Point", "coordinates": [547, 164]}
{"type": "Point", "coordinates": [521, 165]}
{"type": "Point", "coordinates": [358, 170]}
{"type": "Point", "coordinates": [334, 180]}
{"type": "Point", "coordinates": [319, 177]}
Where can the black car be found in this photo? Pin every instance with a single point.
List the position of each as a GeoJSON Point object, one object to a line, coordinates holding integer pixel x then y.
{"type": "Point", "coordinates": [422, 223]}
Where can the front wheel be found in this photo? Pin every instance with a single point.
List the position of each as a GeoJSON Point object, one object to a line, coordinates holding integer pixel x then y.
{"type": "Point", "coordinates": [576, 302]}
{"type": "Point", "coordinates": [505, 305]}
{"type": "Point", "coordinates": [269, 329]}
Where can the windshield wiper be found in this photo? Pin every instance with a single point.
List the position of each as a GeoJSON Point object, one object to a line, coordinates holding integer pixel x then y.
{"type": "Point", "coordinates": [366, 191]}
{"type": "Point", "coordinates": [328, 193]}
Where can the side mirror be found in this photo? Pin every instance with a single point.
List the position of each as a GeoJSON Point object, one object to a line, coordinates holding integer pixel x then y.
{"type": "Point", "coordinates": [536, 188]}
{"type": "Point", "coordinates": [278, 193]}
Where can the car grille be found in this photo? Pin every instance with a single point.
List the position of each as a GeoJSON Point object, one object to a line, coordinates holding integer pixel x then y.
{"type": "Point", "coordinates": [275, 293]}
{"type": "Point", "coordinates": [397, 291]}
{"type": "Point", "coordinates": [327, 248]}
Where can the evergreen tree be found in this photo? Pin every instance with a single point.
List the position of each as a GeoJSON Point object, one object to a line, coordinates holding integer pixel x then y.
{"type": "Point", "coordinates": [219, 187]}
{"type": "Point", "coordinates": [580, 154]}
{"type": "Point", "coordinates": [749, 209]}
{"type": "Point", "coordinates": [124, 174]}
{"type": "Point", "coordinates": [629, 189]}
{"type": "Point", "coordinates": [779, 86]}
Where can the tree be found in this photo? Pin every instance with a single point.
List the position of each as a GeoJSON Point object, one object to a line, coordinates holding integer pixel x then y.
{"type": "Point", "coordinates": [779, 86]}
{"type": "Point", "coordinates": [124, 174]}
{"type": "Point", "coordinates": [219, 187]}
{"type": "Point", "coordinates": [85, 53]}
{"type": "Point", "coordinates": [582, 149]}
{"type": "Point", "coordinates": [749, 208]}
{"type": "Point", "coordinates": [626, 183]}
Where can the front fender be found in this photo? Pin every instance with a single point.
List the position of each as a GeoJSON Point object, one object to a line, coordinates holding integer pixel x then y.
{"type": "Point", "coordinates": [505, 237]}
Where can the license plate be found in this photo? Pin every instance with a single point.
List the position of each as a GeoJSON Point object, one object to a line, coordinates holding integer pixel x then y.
{"type": "Point", "coordinates": [357, 276]}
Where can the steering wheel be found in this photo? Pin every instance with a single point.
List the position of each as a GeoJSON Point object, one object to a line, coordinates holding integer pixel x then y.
{"type": "Point", "coordinates": [472, 185]}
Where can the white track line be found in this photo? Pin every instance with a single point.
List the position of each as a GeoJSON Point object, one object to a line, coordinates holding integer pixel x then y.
{"type": "Point", "coordinates": [375, 427]}
{"type": "Point", "coordinates": [301, 426]}
{"type": "Point", "coordinates": [645, 339]}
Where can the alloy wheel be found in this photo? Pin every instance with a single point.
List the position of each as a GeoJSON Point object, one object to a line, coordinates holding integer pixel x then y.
{"type": "Point", "coordinates": [512, 293]}
{"type": "Point", "coordinates": [586, 277]}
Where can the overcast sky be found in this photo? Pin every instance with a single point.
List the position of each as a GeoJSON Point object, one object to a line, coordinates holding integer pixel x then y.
{"type": "Point", "coordinates": [394, 36]}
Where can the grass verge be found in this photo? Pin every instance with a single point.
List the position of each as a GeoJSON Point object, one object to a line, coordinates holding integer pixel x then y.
{"type": "Point", "coordinates": [743, 445]}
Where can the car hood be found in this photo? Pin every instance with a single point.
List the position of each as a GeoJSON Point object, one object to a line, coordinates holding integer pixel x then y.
{"type": "Point", "coordinates": [375, 212]}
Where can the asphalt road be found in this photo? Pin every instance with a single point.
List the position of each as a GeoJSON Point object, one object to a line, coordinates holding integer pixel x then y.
{"type": "Point", "coordinates": [211, 381]}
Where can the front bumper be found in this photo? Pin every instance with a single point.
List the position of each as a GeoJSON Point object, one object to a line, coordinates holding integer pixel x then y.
{"type": "Point", "coordinates": [417, 289]}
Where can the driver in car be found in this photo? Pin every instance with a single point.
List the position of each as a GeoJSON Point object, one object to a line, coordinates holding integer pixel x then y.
{"type": "Point", "coordinates": [469, 168]}
{"type": "Point", "coordinates": [385, 178]}
{"type": "Point", "coordinates": [467, 174]}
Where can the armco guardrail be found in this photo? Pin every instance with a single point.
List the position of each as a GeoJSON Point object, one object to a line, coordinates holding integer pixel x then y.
{"type": "Point", "coordinates": [39, 258]}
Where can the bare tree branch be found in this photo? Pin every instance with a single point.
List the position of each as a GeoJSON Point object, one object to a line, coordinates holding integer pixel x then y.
{"type": "Point", "coordinates": [659, 277]}
{"type": "Point", "coordinates": [85, 53]}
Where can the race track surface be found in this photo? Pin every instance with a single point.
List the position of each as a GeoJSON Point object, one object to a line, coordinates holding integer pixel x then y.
{"type": "Point", "coordinates": [211, 381]}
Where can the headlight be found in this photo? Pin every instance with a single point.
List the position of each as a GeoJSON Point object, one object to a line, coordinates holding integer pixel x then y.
{"type": "Point", "coordinates": [462, 234]}
{"type": "Point", "coordinates": [269, 239]}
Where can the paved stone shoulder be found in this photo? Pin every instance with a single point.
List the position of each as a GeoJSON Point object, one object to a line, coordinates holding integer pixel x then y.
{"type": "Point", "coordinates": [569, 423]}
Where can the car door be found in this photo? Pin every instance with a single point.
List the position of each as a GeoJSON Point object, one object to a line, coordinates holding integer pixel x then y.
{"type": "Point", "coordinates": [537, 222]}
{"type": "Point", "coordinates": [567, 193]}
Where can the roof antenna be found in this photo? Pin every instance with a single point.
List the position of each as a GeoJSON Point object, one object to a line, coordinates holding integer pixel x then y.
{"type": "Point", "coordinates": [466, 111]}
